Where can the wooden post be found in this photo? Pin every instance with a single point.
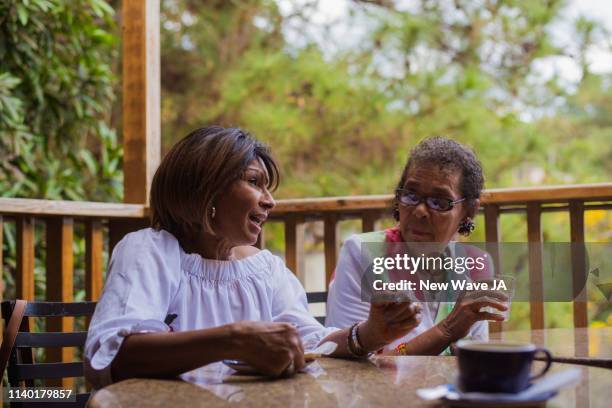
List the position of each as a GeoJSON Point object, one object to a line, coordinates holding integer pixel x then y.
{"type": "Point", "coordinates": [294, 245]}
{"type": "Point", "coordinates": [368, 220]}
{"type": "Point", "coordinates": [579, 277]}
{"type": "Point", "coordinates": [94, 245]}
{"type": "Point", "coordinates": [492, 234]}
{"type": "Point", "coordinates": [1, 267]}
{"type": "Point", "coordinates": [25, 258]}
{"type": "Point", "coordinates": [492, 237]}
{"type": "Point", "coordinates": [536, 278]}
{"type": "Point", "coordinates": [141, 98]}
{"type": "Point", "coordinates": [119, 227]}
{"type": "Point", "coordinates": [60, 270]}
{"type": "Point", "coordinates": [578, 263]}
{"type": "Point", "coordinates": [1, 283]}
{"type": "Point", "coordinates": [331, 243]}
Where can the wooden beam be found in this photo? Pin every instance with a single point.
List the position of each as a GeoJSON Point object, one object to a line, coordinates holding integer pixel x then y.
{"type": "Point", "coordinates": [94, 246]}
{"type": "Point", "coordinates": [493, 234]}
{"type": "Point", "coordinates": [60, 281]}
{"type": "Point", "coordinates": [548, 194]}
{"type": "Point", "coordinates": [506, 196]}
{"type": "Point", "coordinates": [294, 246]}
{"type": "Point", "coordinates": [59, 259]}
{"type": "Point", "coordinates": [24, 281]}
{"type": "Point", "coordinates": [1, 282]}
{"type": "Point", "coordinates": [141, 97]}
{"type": "Point", "coordinates": [118, 228]}
{"type": "Point", "coordinates": [327, 204]}
{"type": "Point", "coordinates": [1, 266]}
{"type": "Point", "coordinates": [25, 258]}
{"type": "Point", "coordinates": [356, 204]}
{"type": "Point", "coordinates": [493, 237]}
{"type": "Point", "coordinates": [536, 269]}
{"type": "Point", "coordinates": [331, 241]}
{"type": "Point", "coordinates": [27, 206]}
{"type": "Point", "coordinates": [368, 220]}
{"type": "Point", "coordinates": [579, 271]}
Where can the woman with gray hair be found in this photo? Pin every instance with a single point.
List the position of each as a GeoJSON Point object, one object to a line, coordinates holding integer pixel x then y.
{"type": "Point", "coordinates": [436, 198]}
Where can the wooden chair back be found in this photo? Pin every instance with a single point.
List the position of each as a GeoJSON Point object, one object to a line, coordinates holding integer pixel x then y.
{"type": "Point", "coordinates": [22, 369]}
{"type": "Point", "coordinates": [317, 297]}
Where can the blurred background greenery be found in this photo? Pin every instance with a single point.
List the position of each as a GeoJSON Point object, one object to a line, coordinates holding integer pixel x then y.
{"type": "Point", "coordinates": [340, 100]}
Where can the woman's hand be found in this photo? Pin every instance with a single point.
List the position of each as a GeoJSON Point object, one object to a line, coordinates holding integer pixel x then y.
{"type": "Point", "coordinates": [388, 321]}
{"type": "Point", "coordinates": [467, 312]}
{"type": "Point", "coordinates": [270, 348]}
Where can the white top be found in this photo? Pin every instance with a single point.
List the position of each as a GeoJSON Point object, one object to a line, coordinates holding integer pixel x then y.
{"type": "Point", "coordinates": [150, 276]}
{"type": "Point", "coordinates": [345, 307]}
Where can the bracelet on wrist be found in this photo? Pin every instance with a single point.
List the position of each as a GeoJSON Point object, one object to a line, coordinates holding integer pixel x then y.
{"type": "Point", "coordinates": [358, 340]}
{"type": "Point", "coordinates": [355, 339]}
{"type": "Point", "coordinates": [354, 343]}
{"type": "Point", "coordinates": [349, 341]}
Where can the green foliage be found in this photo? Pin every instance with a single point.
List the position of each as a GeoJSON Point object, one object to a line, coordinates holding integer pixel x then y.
{"type": "Point", "coordinates": [340, 116]}
{"type": "Point", "coordinates": [452, 68]}
{"type": "Point", "coordinates": [56, 89]}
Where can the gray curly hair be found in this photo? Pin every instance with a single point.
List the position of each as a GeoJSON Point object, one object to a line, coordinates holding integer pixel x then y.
{"type": "Point", "coordinates": [451, 156]}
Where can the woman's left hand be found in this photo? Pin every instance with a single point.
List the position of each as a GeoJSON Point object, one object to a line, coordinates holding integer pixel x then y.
{"type": "Point", "coordinates": [388, 321]}
{"type": "Point", "coordinates": [466, 312]}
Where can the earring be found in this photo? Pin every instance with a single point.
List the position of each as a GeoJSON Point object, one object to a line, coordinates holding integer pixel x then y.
{"type": "Point", "coordinates": [466, 226]}
{"type": "Point", "coordinates": [214, 212]}
{"type": "Point", "coordinates": [396, 213]}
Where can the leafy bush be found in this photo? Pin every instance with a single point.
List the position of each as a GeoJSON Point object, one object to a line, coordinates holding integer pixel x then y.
{"type": "Point", "coordinates": [56, 92]}
{"type": "Point", "coordinates": [57, 87]}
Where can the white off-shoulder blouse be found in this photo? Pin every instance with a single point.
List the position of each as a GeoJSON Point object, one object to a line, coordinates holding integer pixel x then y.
{"type": "Point", "coordinates": [150, 277]}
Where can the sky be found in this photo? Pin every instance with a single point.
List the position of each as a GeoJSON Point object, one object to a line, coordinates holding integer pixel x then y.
{"type": "Point", "coordinates": [336, 11]}
{"type": "Point", "coordinates": [601, 10]}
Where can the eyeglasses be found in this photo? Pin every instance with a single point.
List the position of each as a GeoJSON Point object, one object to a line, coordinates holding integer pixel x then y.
{"type": "Point", "coordinates": [410, 198]}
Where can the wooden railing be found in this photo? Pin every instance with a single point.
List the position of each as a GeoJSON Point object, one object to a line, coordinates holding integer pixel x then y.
{"type": "Point", "coordinates": [575, 199]}
{"type": "Point", "coordinates": [105, 221]}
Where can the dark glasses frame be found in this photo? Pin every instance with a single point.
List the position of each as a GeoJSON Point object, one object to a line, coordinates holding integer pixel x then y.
{"type": "Point", "coordinates": [400, 192]}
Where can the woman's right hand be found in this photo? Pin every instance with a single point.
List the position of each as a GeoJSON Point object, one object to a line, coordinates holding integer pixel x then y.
{"type": "Point", "coordinates": [467, 312]}
{"type": "Point", "coordinates": [268, 347]}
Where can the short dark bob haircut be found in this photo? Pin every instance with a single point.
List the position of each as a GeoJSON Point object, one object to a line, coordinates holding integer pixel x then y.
{"type": "Point", "coordinates": [195, 172]}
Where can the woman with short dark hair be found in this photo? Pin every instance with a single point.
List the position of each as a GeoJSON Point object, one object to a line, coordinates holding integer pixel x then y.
{"type": "Point", "coordinates": [436, 198]}
{"type": "Point", "coordinates": [192, 290]}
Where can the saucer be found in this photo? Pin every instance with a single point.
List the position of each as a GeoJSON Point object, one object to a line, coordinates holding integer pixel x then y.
{"type": "Point", "coordinates": [481, 399]}
{"type": "Point", "coordinates": [467, 403]}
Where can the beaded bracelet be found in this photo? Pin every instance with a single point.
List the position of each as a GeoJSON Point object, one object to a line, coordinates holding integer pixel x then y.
{"type": "Point", "coordinates": [355, 340]}
{"type": "Point", "coordinates": [349, 341]}
{"type": "Point", "coordinates": [358, 340]}
{"type": "Point", "coordinates": [354, 344]}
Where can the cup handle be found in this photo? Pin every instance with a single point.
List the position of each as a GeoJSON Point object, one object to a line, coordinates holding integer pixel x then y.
{"type": "Point", "coordinates": [548, 363]}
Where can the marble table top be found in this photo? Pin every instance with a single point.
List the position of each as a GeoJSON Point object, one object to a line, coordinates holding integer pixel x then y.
{"type": "Point", "coordinates": [379, 382]}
